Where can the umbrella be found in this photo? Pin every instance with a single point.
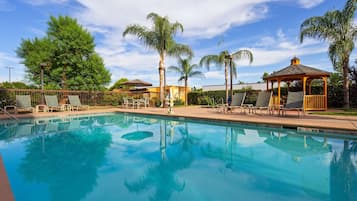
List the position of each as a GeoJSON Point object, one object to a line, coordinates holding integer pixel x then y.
{"type": "Point", "coordinates": [136, 83]}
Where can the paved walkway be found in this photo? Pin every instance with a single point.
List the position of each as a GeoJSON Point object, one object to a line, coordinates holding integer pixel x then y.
{"type": "Point", "coordinates": [347, 123]}
{"type": "Point", "coordinates": [343, 123]}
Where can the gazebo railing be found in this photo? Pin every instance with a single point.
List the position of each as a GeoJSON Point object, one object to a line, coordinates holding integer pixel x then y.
{"type": "Point", "coordinates": [315, 102]}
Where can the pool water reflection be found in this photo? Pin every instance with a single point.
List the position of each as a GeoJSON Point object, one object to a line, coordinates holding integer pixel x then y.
{"type": "Point", "coordinates": [133, 157]}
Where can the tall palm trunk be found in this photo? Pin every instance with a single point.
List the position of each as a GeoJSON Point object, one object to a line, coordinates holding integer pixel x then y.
{"type": "Point", "coordinates": [231, 78]}
{"type": "Point", "coordinates": [162, 79]}
{"type": "Point", "coordinates": [346, 88]}
{"type": "Point", "coordinates": [226, 79]}
{"type": "Point", "coordinates": [186, 92]}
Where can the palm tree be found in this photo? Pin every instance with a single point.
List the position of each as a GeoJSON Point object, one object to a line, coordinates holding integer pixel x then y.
{"type": "Point", "coordinates": [160, 37]}
{"type": "Point", "coordinates": [227, 59]}
{"type": "Point", "coordinates": [337, 28]}
{"type": "Point", "coordinates": [186, 70]}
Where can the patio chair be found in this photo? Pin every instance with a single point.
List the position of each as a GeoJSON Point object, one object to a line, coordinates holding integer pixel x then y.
{"type": "Point", "coordinates": [144, 101]}
{"type": "Point", "coordinates": [294, 102]}
{"type": "Point", "coordinates": [211, 103]}
{"type": "Point", "coordinates": [52, 103]}
{"type": "Point", "coordinates": [23, 102]}
{"type": "Point", "coordinates": [127, 101]}
{"type": "Point", "coordinates": [262, 103]}
{"type": "Point", "coordinates": [237, 101]}
{"type": "Point", "coordinates": [76, 103]}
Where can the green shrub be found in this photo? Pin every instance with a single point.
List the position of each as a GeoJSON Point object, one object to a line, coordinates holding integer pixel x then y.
{"type": "Point", "coordinates": [178, 102]}
{"type": "Point", "coordinates": [113, 99]}
{"type": "Point", "coordinates": [335, 95]}
{"type": "Point", "coordinates": [207, 97]}
{"type": "Point", "coordinates": [6, 98]}
{"type": "Point", "coordinates": [156, 101]}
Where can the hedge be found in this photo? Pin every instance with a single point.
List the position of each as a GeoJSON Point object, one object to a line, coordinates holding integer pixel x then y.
{"type": "Point", "coordinates": [335, 95]}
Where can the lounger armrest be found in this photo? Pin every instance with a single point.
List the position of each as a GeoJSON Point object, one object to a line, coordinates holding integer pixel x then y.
{"type": "Point", "coordinates": [9, 106]}
{"type": "Point", "coordinates": [247, 105]}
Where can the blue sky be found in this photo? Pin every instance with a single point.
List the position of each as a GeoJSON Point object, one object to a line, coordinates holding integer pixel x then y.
{"type": "Point", "coordinates": [269, 28]}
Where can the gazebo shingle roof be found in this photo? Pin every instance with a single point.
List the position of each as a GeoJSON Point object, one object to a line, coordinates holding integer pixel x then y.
{"type": "Point", "coordinates": [297, 69]}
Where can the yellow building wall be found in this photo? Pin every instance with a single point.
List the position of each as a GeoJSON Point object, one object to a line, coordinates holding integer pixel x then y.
{"type": "Point", "coordinates": [178, 92]}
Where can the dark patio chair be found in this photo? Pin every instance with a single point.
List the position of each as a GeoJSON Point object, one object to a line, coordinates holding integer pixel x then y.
{"type": "Point", "coordinates": [294, 102]}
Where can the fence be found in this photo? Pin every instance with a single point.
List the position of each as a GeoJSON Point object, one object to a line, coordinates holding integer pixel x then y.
{"type": "Point", "coordinates": [315, 102]}
{"type": "Point", "coordinates": [7, 96]}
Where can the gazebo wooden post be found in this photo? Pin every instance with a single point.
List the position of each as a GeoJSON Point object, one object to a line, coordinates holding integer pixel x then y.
{"type": "Point", "coordinates": [304, 84]}
{"type": "Point", "coordinates": [267, 84]}
{"type": "Point", "coordinates": [309, 84]}
{"type": "Point", "coordinates": [279, 92]}
{"type": "Point", "coordinates": [304, 90]}
{"type": "Point", "coordinates": [325, 90]}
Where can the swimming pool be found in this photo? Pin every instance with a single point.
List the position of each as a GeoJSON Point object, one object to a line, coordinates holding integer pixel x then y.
{"type": "Point", "coordinates": [134, 157]}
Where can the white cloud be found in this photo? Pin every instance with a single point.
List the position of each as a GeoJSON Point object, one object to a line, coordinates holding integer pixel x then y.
{"type": "Point", "coordinates": [309, 3]}
{"type": "Point", "coordinates": [131, 60]}
{"type": "Point", "coordinates": [274, 49]}
{"type": "Point", "coordinates": [214, 75]}
{"type": "Point", "coordinates": [202, 18]}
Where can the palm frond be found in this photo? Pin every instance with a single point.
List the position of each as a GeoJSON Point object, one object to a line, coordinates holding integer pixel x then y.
{"type": "Point", "coordinates": [196, 74]}
{"type": "Point", "coordinates": [350, 9]}
{"type": "Point", "coordinates": [334, 54]}
{"type": "Point", "coordinates": [135, 29]}
{"type": "Point", "coordinates": [243, 54]}
{"type": "Point", "coordinates": [175, 69]}
{"type": "Point", "coordinates": [326, 27]}
{"type": "Point", "coordinates": [176, 49]}
{"type": "Point", "coordinates": [176, 27]}
{"type": "Point", "coordinates": [208, 60]}
{"type": "Point", "coordinates": [153, 16]}
{"type": "Point", "coordinates": [195, 66]}
{"type": "Point", "coordinates": [182, 78]}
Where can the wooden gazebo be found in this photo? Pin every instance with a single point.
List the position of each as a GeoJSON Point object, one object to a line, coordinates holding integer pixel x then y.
{"type": "Point", "coordinates": [306, 74]}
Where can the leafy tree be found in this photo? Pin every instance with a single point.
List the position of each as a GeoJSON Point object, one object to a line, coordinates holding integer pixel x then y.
{"type": "Point", "coordinates": [227, 59]}
{"type": "Point", "coordinates": [16, 85]}
{"type": "Point", "coordinates": [335, 80]}
{"type": "Point", "coordinates": [160, 37]}
{"type": "Point", "coordinates": [186, 70]}
{"type": "Point", "coordinates": [67, 55]}
{"type": "Point", "coordinates": [337, 28]}
{"type": "Point", "coordinates": [265, 74]}
{"type": "Point", "coordinates": [118, 84]}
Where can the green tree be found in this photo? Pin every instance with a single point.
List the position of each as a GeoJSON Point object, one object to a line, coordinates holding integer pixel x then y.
{"type": "Point", "coordinates": [227, 59]}
{"type": "Point", "coordinates": [337, 28]}
{"type": "Point", "coordinates": [118, 84]}
{"type": "Point", "coordinates": [160, 37]}
{"type": "Point", "coordinates": [68, 51]}
{"type": "Point", "coordinates": [265, 75]}
{"type": "Point", "coordinates": [16, 85]}
{"type": "Point", "coordinates": [186, 70]}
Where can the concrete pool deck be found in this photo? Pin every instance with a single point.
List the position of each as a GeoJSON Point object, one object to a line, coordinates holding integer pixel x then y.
{"type": "Point", "coordinates": [346, 124]}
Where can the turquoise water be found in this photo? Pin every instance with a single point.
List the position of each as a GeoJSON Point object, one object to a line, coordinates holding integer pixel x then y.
{"type": "Point", "coordinates": [128, 157]}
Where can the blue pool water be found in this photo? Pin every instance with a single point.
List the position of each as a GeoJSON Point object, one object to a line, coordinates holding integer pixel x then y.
{"type": "Point", "coordinates": [147, 158]}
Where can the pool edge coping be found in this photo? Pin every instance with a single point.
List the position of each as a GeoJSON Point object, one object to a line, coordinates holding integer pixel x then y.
{"type": "Point", "coordinates": [295, 126]}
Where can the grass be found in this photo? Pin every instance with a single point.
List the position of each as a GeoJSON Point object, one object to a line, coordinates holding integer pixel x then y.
{"type": "Point", "coordinates": [340, 112]}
